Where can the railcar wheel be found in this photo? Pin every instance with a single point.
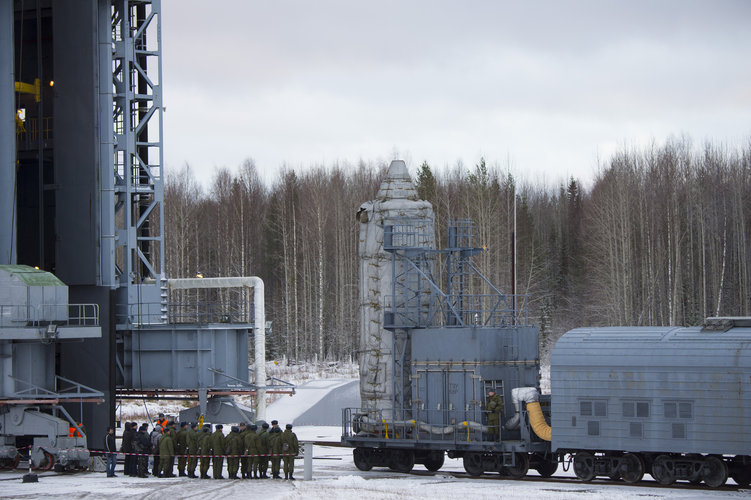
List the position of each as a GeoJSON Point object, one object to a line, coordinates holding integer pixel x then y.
{"type": "Point", "coordinates": [10, 463]}
{"type": "Point", "coordinates": [663, 470]}
{"type": "Point", "coordinates": [632, 468]}
{"type": "Point", "coordinates": [47, 462]}
{"type": "Point", "coordinates": [521, 467]}
{"type": "Point", "coordinates": [434, 462]}
{"type": "Point", "coordinates": [715, 472]}
{"type": "Point", "coordinates": [584, 466]}
{"type": "Point", "coordinates": [401, 460]}
{"type": "Point", "coordinates": [473, 464]}
{"type": "Point", "coordinates": [696, 467]}
{"type": "Point", "coordinates": [362, 459]}
{"type": "Point", "coordinates": [546, 468]}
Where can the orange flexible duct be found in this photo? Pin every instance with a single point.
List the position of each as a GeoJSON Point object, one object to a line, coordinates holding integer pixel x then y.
{"type": "Point", "coordinates": [537, 421]}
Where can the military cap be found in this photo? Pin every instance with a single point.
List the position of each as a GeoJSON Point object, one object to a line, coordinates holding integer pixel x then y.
{"type": "Point", "coordinates": [253, 427]}
{"type": "Point", "coordinates": [274, 422]}
{"type": "Point", "coordinates": [288, 426]}
{"type": "Point", "coordinates": [265, 425]}
{"type": "Point", "coordinates": [219, 426]}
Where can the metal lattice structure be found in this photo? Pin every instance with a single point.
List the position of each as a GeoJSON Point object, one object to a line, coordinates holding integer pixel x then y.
{"type": "Point", "coordinates": [417, 299]}
{"type": "Point", "coordinates": [137, 209]}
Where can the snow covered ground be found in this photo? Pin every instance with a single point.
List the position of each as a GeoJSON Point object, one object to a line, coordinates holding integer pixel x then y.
{"type": "Point", "coordinates": [335, 477]}
{"type": "Point", "coordinates": [334, 474]}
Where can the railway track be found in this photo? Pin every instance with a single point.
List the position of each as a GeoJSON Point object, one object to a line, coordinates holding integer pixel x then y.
{"type": "Point", "coordinates": [568, 480]}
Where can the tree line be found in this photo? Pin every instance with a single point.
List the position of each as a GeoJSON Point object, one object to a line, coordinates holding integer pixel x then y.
{"type": "Point", "coordinates": [660, 237]}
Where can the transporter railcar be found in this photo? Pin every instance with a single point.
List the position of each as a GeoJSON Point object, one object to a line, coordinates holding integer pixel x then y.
{"type": "Point", "coordinates": [448, 349]}
{"type": "Point", "coordinates": [671, 402]}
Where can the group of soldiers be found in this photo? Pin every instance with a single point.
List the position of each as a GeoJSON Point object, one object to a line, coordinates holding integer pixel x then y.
{"type": "Point", "coordinates": [248, 450]}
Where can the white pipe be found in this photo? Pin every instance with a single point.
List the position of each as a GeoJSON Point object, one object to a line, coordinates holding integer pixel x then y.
{"type": "Point", "coordinates": [259, 320]}
{"type": "Point", "coordinates": [519, 395]}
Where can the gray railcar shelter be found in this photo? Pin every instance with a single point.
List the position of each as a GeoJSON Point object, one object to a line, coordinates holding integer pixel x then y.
{"type": "Point", "coordinates": [652, 389]}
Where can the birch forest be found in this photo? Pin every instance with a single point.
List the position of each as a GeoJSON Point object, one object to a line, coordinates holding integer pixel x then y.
{"type": "Point", "coordinates": [659, 236]}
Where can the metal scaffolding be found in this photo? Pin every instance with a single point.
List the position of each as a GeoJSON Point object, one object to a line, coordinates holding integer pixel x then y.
{"type": "Point", "coordinates": [137, 210]}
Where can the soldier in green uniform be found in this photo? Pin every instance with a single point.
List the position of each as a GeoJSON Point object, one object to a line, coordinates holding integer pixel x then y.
{"type": "Point", "coordinates": [276, 449]}
{"type": "Point", "coordinates": [290, 448]}
{"type": "Point", "coordinates": [204, 448]}
{"type": "Point", "coordinates": [251, 449]}
{"type": "Point", "coordinates": [181, 448]}
{"type": "Point", "coordinates": [243, 457]}
{"type": "Point", "coordinates": [219, 446]}
{"type": "Point", "coordinates": [263, 451]}
{"type": "Point", "coordinates": [494, 406]}
{"type": "Point", "coordinates": [167, 453]}
{"type": "Point", "coordinates": [192, 440]}
{"type": "Point", "coordinates": [234, 450]}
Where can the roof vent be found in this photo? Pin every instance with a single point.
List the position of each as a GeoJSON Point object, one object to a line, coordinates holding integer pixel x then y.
{"type": "Point", "coordinates": [723, 324]}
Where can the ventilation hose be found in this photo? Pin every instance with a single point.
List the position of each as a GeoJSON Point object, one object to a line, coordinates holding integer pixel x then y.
{"type": "Point", "coordinates": [537, 421]}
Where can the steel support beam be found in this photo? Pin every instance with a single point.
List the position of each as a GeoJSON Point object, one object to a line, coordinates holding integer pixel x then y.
{"type": "Point", "coordinates": [7, 137]}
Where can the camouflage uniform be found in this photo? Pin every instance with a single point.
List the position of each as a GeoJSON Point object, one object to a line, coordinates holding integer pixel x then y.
{"type": "Point", "coordinates": [181, 448]}
{"type": "Point", "coordinates": [234, 449]}
{"type": "Point", "coordinates": [219, 445]}
{"type": "Point", "coordinates": [204, 448]}
{"type": "Point", "coordinates": [290, 448]}
{"type": "Point", "coordinates": [495, 408]}
{"type": "Point", "coordinates": [276, 449]}
{"type": "Point", "coordinates": [251, 448]}
{"type": "Point", "coordinates": [192, 440]}
{"type": "Point", "coordinates": [167, 454]}
{"type": "Point", "coordinates": [262, 443]}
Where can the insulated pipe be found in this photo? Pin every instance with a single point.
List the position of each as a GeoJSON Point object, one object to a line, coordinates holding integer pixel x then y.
{"type": "Point", "coordinates": [259, 320]}
{"type": "Point", "coordinates": [531, 397]}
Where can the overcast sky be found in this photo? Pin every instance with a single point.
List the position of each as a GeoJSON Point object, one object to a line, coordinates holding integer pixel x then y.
{"type": "Point", "coordinates": [543, 88]}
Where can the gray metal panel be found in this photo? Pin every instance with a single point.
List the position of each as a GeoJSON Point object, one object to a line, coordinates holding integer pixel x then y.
{"type": "Point", "coordinates": [450, 367]}
{"type": "Point", "coordinates": [183, 356]}
{"type": "Point", "coordinates": [34, 363]}
{"type": "Point", "coordinates": [708, 371]}
{"type": "Point", "coordinates": [7, 137]}
{"type": "Point", "coordinates": [76, 154]}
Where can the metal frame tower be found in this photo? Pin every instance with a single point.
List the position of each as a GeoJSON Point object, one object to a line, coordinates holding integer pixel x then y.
{"type": "Point", "coordinates": [136, 253]}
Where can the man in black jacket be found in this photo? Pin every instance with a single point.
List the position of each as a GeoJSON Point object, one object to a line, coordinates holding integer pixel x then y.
{"type": "Point", "coordinates": [127, 447]}
{"type": "Point", "coordinates": [142, 445]}
{"type": "Point", "coordinates": [132, 459]}
{"type": "Point", "coordinates": [110, 449]}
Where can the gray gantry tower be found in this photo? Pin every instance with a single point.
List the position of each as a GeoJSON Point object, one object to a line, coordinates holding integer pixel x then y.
{"type": "Point", "coordinates": [81, 194]}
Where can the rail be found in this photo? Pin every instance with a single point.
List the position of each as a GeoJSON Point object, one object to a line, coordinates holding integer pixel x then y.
{"type": "Point", "coordinates": [197, 312]}
{"type": "Point", "coordinates": [25, 315]}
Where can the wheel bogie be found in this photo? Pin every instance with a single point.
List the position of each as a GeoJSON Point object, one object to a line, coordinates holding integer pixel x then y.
{"type": "Point", "coordinates": [401, 460]}
{"type": "Point", "coordinates": [363, 458]}
{"type": "Point", "coordinates": [584, 466]}
{"type": "Point", "coordinates": [545, 466]}
{"type": "Point", "coordinates": [432, 460]}
{"type": "Point", "coordinates": [519, 468]}
{"type": "Point", "coordinates": [714, 472]}
{"type": "Point", "coordinates": [631, 468]}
